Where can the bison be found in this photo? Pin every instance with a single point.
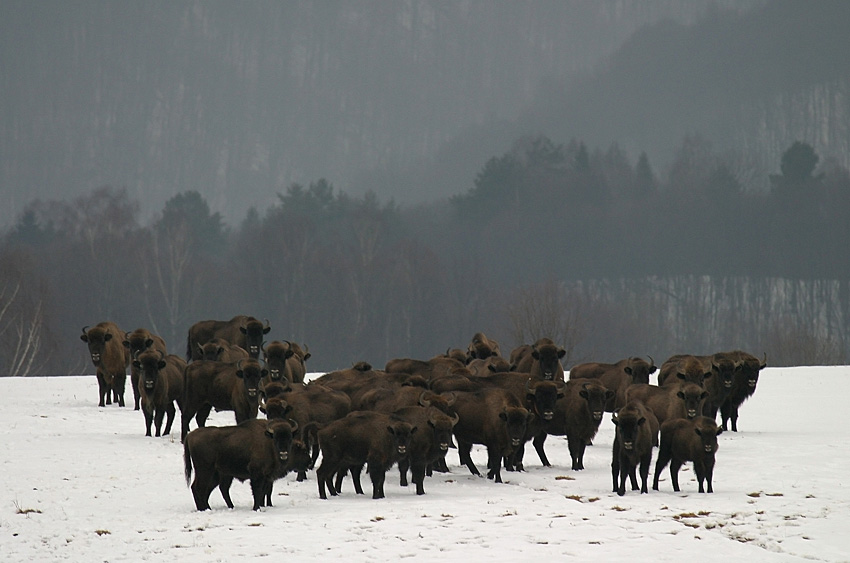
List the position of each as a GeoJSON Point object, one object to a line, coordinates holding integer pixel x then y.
{"type": "Point", "coordinates": [375, 439]}
{"type": "Point", "coordinates": [243, 331]}
{"type": "Point", "coordinates": [428, 445]}
{"type": "Point", "coordinates": [685, 400]}
{"type": "Point", "coordinates": [616, 377]}
{"type": "Point", "coordinates": [578, 414]}
{"type": "Point", "coordinates": [541, 360]}
{"type": "Point", "coordinates": [688, 440]}
{"type": "Point", "coordinates": [223, 386]}
{"type": "Point", "coordinates": [110, 358]}
{"type": "Point", "coordinates": [743, 386]}
{"type": "Point", "coordinates": [635, 433]}
{"type": "Point", "coordinates": [220, 350]}
{"type": "Point", "coordinates": [286, 360]}
{"type": "Point", "coordinates": [160, 386]}
{"type": "Point", "coordinates": [482, 347]}
{"type": "Point", "coordinates": [135, 343]}
{"type": "Point", "coordinates": [495, 418]}
{"type": "Point", "coordinates": [258, 450]}
{"type": "Point", "coordinates": [684, 367]}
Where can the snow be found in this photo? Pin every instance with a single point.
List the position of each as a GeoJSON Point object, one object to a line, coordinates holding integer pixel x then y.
{"type": "Point", "coordinates": [83, 483]}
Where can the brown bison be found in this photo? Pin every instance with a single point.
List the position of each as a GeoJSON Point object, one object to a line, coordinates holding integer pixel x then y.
{"type": "Point", "coordinates": [258, 450]}
{"type": "Point", "coordinates": [685, 400]}
{"type": "Point", "coordinates": [225, 387]}
{"type": "Point", "coordinates": [578, 414]}
{"type": "Point", "coordinates": [373, 439]}
{"type": "Point", "coordinates": [428, 445]}
{"type": "Point", "coordinates": [482, 347]}
{"type": "Point", "coordinates": [684, 367]}
{"type": "Point", "coordinates": [437, 366]}
{"type": "Point", "coordinates": [542, 360]}
{"type": "Point", "coordinates": [135, 343]}
{"type": "Point", "coordinates": [286, 360]}
{"type": "Point", "coordinates": [243, 331]}
{"type": "Point", "coordinates": [688, 440]}
{"type": "Point", "coordinates": [636, 432]}
{"type": "Point", "coordinates": [743, 386]}
{"type": "Point", "coordinates": [495, 418]}
{"type": "Point", "coordinates": [220, 350]}
{"type": "Point", "coordinates": [160, 386]}
{"type": "Point", "coordinates": [110, 358]}
{"type": "Point", "coordinates": [616, 377]}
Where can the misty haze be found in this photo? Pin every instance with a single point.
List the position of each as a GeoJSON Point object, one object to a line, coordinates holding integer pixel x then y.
{"type": "Point", "coordinates": [382, 179]}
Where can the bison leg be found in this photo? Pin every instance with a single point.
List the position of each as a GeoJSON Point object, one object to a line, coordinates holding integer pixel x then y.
{"type": "Point", "coordinates": [259, 489]}
{"type": "Point", "coordinates": [633, 477]}
{"type": "Point", "coordinates": [324, 475]}
{"type": "Point", "coordinates": [645, 462]}
{"type": "Point", "coordinates": [202, 414]}
{"type": "Point", "coordinates": [576, 447]}
{"type": "Point", "coordinates": [134, 382]}
{"type": "Point", "coordinates": [202, 487]}
{"type": "Point", "coordinates": [494, 464]}
{"type": "Point", "coordinates": [675, 464]}
{"type": "Point", "coordinates": [418, 477]}
{"type": "Point", "coordinates": [464, 449]}
{"type": "Point", "coordinates": [118, 389]}
{"type": "Point", "coordinates": [171, 411]}
{"type": "Point", "coordinates": [103, 391]}
{"type": "Point", "coordinates": [403, 465]}
{"type": "Point", "coordinates": [538, 445]}
{"type": "Point", "coordinates": [378, 476]}
{"type": "Point", "coordinates": [709, 475]}
{"type": "Point", "coordinates": [158, 416]}
{"type": "Point", "coordinates": [224, 483]}
{"type": "Point", "coordinates": [355, 471]}
{"type": "Point", "coordinates": [148, 420]}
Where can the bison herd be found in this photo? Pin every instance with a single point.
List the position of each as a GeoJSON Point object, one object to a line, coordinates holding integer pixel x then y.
{"type": "Point", "coordinates": [413, 411]}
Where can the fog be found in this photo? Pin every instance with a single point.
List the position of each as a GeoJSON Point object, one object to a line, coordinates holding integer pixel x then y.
{"type": "Point", "coordinates": [382, 179]}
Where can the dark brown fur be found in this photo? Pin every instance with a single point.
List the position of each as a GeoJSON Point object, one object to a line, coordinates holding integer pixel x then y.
{"type": "Point", "coordinates": [106, 350]}
{"type": "Point", "coordinates": [688, 440]}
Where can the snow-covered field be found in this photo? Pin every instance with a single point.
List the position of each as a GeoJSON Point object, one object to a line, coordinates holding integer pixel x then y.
{"type": "Point", "coordinates": [83, 483]}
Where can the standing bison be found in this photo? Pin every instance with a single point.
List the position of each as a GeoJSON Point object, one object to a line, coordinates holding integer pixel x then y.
{"type": "Point", "coordinates": [257, 450]}
{"type": "Point", "coordinates": [542, 360]}
{"type": "Point", "coordinates": [226, 387]}
{"type": "Point", "coordinates": [743, 386]}
{"type": "Point", "coordinates": [244, 331]}
{"type": "Point", "coordinates": [616, 377]}
{"type": "Point", "coordinates": [636, 432]}
{"type": "Point", "coordinates": [106, 349]}
{"type": "Point", "coordinates": [135, 343]}
{"type": "Point", "coordinates": [160, 386]}
{"type": "Point", "coordinates": [688, 440]}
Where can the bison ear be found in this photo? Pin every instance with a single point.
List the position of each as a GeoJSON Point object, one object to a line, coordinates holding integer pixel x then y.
{"type": "Point", "coordinates": [243, 330]}
{"type": "Point", "coordinates": [609, 394]}
{"type": "Point", "coordinates": [503, 415]}
{"type": "Point", "coordinates": [628, 370]}
{"type": "Point", "coordinates": [719, 431]}
{"type": "Point", "coordinates": [307, 356]}
{"type": "Point", "coordinates": [680, 395]}
{"type": "Point", "coordinates": [414, 429]}
{"type": "Point", "coordinates": [698, 433]}
{"type": "Point", "coordinates": [641, 420]}
{"type": "Point", "coordinates": [561, 353]}
{"type": "Point", "coordinates": [148, 342]}
{"type": "Point", "coordinates": [107, 337]}
{"type": "Point", "coordinates": [707, 374]}
{"type": "Point", "coordinates": [269, 433]}
{"type": "Point", "coordinates": [703, 395]}
{"type": "Point", "coordinates": [264, 372]}
{"type": "Point", "coordinates": [535, 354]}
{"type": "Point", "coordinates": [560, 395]}
{"type": "Point", "coordinates": [239, 373]}
{"type": "Point", "coordinates": [583, 393]}
{"type": "Point", "coordinates": [84, 337]}
{"type": "Point", "coordinates": [126, 344]}
{"type": "Point", "coordinates": [137, 364]}
{"type": "Point", "coordinates": [161, 364]}
{"type": "Point", "coordinates": [680, 375]}
{"type": "Point", "coordinates": [266, 329]}
{"type": "Point", "coordinates": [391, 430]}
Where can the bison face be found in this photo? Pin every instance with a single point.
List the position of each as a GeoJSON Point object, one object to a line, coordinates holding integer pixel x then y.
{"type": "Point", "coordinates": [708, 432]}
{"type": "Point", "coordinates": [550, 360]}
{"type": "Point", "coordinates": [251, 373]}
{"type": "Point", "coordinates": [628, 429]}
{"type": "Point", "coordinates": [281, 432]}
{"type": "Point", "coordinates": [401, 433]}
{"type": "Point", "coordinates": [516, 421]}
{"type": "Point", "coordinates": [597, 397]}
{"type": "Point", "coordinates": [693, 396]}
{"type": "Point", "coordinates": [254, 331]}
{"type": "Point", "coordinates": [543, 397]}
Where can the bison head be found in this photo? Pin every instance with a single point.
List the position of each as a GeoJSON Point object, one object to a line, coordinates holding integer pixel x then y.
{"type": "Point", "coordinates": [549, 357]}
{"type": "Point", "coordinates": [251, 372]}
{"type": "Point", "coordinates": [402, 433]}
{"type": "Point", "coordinates": [516, 421]}
{"type": "Point", "coordinates": [96, 338]}
{"type": "Point", "coordinates": [543, 396]}
{"type": "Point", "coordinates": [597, 396]}
{"type": "Point", "coordinates": [628, 422]}
{"type": "Point", "coordinates": [254, 331]}
{"type": "Point", "coordinates": [708, 431]}
{"type": "Point", "coordinates": [693, 396]}
{"type": "Point", "coordinates": [281, 432]}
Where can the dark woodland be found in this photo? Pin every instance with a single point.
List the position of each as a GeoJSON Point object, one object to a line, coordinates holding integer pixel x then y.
{"type": "Point", "coordinates": [674, 198]}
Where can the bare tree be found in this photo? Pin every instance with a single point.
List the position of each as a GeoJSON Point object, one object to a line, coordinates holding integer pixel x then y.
{"type": "Point", "coordinates": [547, 310]}
{"type": "Point", "coordinates": [22, 321]}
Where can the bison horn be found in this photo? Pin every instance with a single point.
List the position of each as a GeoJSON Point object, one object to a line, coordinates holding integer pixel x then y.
{"type": "Point", "coordinates": [450, 400]}
{"type": "Point", "coordinates": [423, 401]}
{"type": "Point", "coordinates": [651, 361]}
{"type": "Point", "coordinates": [267, 323]}
{"type": "Point", "coordinates": [455, 419]}
{"type": "Point", "coordinates": [528, 389]}
{"type": "Point", "coordinates": [293, 424]}
{"type": "Point", "coordinates": [85, 329]}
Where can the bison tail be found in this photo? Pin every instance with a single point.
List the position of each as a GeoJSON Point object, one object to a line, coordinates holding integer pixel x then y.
{"type": "Point", "coordinates": [187, 462]}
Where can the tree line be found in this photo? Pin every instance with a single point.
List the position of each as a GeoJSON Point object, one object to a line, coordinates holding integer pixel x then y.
{"type": "Point", "coordinates": [599, 253]}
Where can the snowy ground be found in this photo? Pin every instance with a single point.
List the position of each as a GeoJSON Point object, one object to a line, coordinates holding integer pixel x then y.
{"type": "Point", "coordinates": [83, 483]}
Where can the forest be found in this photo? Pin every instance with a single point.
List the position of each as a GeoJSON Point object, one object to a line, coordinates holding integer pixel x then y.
{"type": "Point", "coordinates": [589, 246]}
